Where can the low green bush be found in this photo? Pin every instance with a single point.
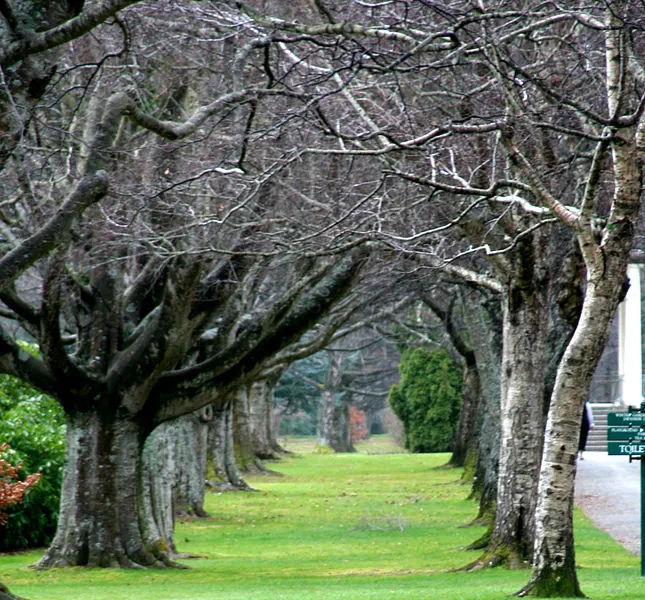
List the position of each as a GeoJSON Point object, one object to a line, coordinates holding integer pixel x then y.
{"type": "Point", "coordinates": [33, 424]}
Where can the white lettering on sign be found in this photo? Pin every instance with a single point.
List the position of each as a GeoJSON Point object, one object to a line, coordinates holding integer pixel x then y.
{"type": "Point", "coordinates": [632, 448]}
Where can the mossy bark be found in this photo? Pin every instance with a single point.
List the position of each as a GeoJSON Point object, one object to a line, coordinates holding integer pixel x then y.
{"type": "Point", "coordinates": [101, 523]}
{"type": "Point", "coordinates": [554, 581]}
{"type": "Point", "coordinates": [5, 594]}
{"type": "Point", "coordinates": [224, 472]}
{"type": "Point", "coordinates": [261, 400]}
{"type": "Point", "coordinates": [470, 466]}
{"type": "Point", "coordinates": [467, 435]}
{"type": "Point", "coordinates": [498, 555]}
{"type": "Point", "coordinates": [511, 539]}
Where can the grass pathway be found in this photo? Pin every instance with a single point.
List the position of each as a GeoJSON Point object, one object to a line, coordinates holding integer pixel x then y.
{"type": "Point", "coordinates": [359, 526]}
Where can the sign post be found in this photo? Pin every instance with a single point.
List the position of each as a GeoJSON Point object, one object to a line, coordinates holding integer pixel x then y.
{"type": "Point", "coordinates": [626, 437]}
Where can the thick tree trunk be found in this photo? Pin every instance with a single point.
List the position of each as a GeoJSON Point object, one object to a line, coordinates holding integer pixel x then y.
{"type": "Point", "coordinates": [157, 478]}
{"type": "Point", "coordinates": [554, 572]}
{"type": "Point", "coordinates": [328, 402]}
{"type": "Point", "coordinates": [100, 498]}
{"type": "Point", "coordinates": [526, 318]}
{"type": "Point", "coordinates": [5, 594]}
{"type": "Point", "coordinates": [467, 436]}
{"type": "Point", "coordinates": [485, 480]}
{"type": "Point", "coordinates": [265, 443]}
{"type": "Point", "coordinates": [485, 334]}
{"type": "Point", "coordinates": [522, 426]}
{"type": "Point", "coordinates": [222, 450]}
{"type": "Point", "coordinates": [174, 474]}
{"type": "Point", "coordinates": [189, 435]}
{"type": "Point", "coordinates": [341, 439]}
{"type": "Point", "coordinates": [245, 456]}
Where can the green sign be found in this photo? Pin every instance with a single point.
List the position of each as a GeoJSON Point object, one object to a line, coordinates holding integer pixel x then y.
{"type": "Point", "coordinates": [626, 418]}
{"type": "Point", "coordinates": [628, 429]}
{"type": "Point", "coordinates": [628, 434]}
{"type": "Point", "coordinates": [626, 448]}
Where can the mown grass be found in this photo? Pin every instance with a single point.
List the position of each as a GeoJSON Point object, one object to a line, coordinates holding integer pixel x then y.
{"type": "Point", "coordinates": [359, 526]}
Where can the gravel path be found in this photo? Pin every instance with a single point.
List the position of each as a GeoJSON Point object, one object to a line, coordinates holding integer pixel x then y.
{"type": "Point", "coordinates": [608, 492]}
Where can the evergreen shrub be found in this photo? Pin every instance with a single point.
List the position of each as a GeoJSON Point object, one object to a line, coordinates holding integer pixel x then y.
{"type": "Point", "coordinates": [427, 399]}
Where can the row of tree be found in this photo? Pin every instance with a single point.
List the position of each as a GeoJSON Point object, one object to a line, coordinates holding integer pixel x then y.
{"type": "Point", "coordinates": [200, 193]}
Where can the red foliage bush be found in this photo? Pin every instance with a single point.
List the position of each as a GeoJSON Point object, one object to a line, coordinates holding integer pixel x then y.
{"type": "Point", "coordinates": [358, 424]}
{"type": "Point", "coordinates": [12, 489]}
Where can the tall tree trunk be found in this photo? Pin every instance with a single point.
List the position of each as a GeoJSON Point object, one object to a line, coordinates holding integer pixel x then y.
{"type": "Point", "coordinates": [222, 450]}
{"type": "Point", "coordinates": [174, 474]}
{"type": "Point", "coordinates": [467, 435]}
{"type": "Point", "coordinates": [526, 317]}
{"type": "Point", "coordinates": [100, 497]}
{"type": "Point", "coordinates": [341, 438]}
{"type": "Point", "coordinates": [522, 425]}
{"type": "Point", "coordinates": [265, 443]}
{"type": "Point", "coordinates": [189, 439]}
{"type": "Point", "coordinates": [485, 334]}
{"type": "Point", "coordinates": [246, 458]}
{"type": "Point", "coordinates": [484, 484]}
{"type": "Point", "coordinates": [157, 477]}
{"type": "Point", "coordinates": [328, 401]}
{"type": "Point", "coordinates": [554, 571]}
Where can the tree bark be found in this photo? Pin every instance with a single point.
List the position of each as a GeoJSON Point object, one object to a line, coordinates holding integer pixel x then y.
{"type": "Point", "coordinates": [522, 423]}
{"type": "Point", "coordinates": [526, 318]}
{"type": "Point", "coordinates": [100, 498]}
{"type": "Point", "coordinates": [174, 474]}
{"type": "Point", "coordinates": [157, 476]}
{"type": "Point", "coordinates": [467, 435]}
{"type": "Point", "coordinates": [265, 443]}
{"type": "Point", "coordinates": [246, 459]}
{"type": "Point", "coordinates": [485, 332]}
{"type": "Point", "coordinates": [328, 401]}
{"type": "Point", "coordinates": [341, 439]}
{"type": "Point", "coordinates": [222, 450]}
{"type": "Point", "coordinates": [5, 594]}
{"type": "Point", "coordinates": [606, 259]}
{"type": "Point", "coordinates": [554, 573]}
{"type": "Point", "coordinates": [190, 437]}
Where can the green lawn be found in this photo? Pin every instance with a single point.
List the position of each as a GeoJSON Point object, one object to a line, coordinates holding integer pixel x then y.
{"type": "Point", "coordinates": [370, 525]}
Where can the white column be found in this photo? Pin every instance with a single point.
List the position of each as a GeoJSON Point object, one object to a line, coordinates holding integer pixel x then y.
{"type": "Point", "coordinates": [629, 355]}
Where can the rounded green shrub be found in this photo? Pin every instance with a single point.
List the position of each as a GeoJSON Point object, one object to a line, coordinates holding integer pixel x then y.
{"type": "Point", "coordinates": [427, 399]}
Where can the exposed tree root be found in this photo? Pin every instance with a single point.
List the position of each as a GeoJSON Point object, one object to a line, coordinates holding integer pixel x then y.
{"type": "Point", "coordinates": [227, 486]}
{"type": "Point", "coordinates": [498, 556]}
{"type": "Point", "coordinates": [482, 542]}
{"type": "Point", "coordinates": [558, 582]}
{"type": "Point", "coordinates": [152, 556]}
{"type": "Point", "coordinates": [5, 594]}
{"type": "Point", "coordinates": [280, 450]}
{"type": "Point", "coordinates": [477, 522]}
{"type": "Point", "coordinates": [550, 589]}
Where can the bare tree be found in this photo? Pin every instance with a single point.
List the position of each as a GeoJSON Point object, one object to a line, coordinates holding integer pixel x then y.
{"type": "Point", "coordinates": [166, 303]}
{"type": "Point", "coordinates": [522, 85]}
